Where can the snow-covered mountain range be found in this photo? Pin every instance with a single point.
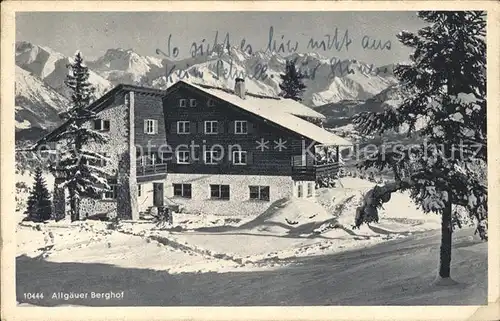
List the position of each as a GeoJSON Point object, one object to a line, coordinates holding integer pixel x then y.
{"type": "Point", "coordinates": [41, 71]}
{"type": "Point", "coordinates": [36, 103]}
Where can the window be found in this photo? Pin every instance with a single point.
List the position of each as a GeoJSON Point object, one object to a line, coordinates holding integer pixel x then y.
{"type": "Point", "coordinates": [182, 190]}
{"type": "Point", "coordinates": [219, 192]}
{"type": "Point", "coordinates": [150, 126]}
{"type": "Point", "coordinates": [299, 190]}
{"type": "Point", "coordinates": [101, 125]}
{"type": "Point", "coordinates": [182, 157]}
{"type": "Point", "coordinates": [212, 156]}
{"type": "Point", "coordinates": [183, 127]}
{"type": "Point", "coordinates": [239, 157]}
{"type": "Point", "coordinates": [211, 103]}
{"type": "Point", "coordinates": [182, 102]}
{"type": "Point", "coordinates": [310, 189]}
{"type": "Point", "coordinates": [111, 193]}
{"type": "Point", "coordinates": [240, 127]}
{"type": "Point", "coordinates": [139, 189]}
{"type": "Point", "coordinates": [193, 102]}
{"type": "Point", "coordinates": [211, 126]}
{"type": "Point", "coordinates": [260, 193]}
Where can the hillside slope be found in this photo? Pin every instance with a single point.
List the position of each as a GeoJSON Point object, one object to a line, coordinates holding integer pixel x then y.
{"type": "Point", "coordinates": [51, 67]}
{"type": "Point", "coordinates": [37, 105]}
{"type": "Point", "coordinates": [328, 81]}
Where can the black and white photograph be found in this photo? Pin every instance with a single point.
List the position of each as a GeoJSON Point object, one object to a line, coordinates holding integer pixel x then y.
{"type": "Point", "coordinates": [251, 158]}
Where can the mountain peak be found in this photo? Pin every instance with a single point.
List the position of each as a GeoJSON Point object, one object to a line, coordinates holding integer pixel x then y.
{"type": "Point", "coordinates": [114, 52]}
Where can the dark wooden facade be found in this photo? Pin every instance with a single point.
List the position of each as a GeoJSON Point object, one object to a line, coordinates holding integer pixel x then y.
{"type": "Point", "coordinates": [149, 106]}
{"type": "Point", "coordinates": [270, 161]}
{"type": "Point", "coordinates": [163, 106]}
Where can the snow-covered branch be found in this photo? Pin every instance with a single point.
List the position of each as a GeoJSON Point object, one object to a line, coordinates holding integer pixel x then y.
{"type": "Point", "coordinates": [374, 198]}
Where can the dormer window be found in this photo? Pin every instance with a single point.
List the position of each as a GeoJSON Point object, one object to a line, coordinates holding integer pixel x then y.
{"type": "Point", "coordinates": [210, 102]}
{"type": "Point", "coordinates": [101, 125]}
{"type": "Point", "coordinates": [182, 102]}
{"type": "Point", "coordinates": [193, 102]}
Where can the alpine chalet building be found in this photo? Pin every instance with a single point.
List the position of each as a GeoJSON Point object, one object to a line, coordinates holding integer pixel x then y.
{"type": "Point", "coordinates": [205, 150]}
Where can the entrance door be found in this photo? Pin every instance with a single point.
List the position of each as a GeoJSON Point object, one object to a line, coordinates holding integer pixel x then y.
{"type": "Point", "coordinates": [158, 194]}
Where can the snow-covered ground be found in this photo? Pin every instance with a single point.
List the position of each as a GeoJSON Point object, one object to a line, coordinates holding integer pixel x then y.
{"type": "Point", "coordinates": [298, 252]}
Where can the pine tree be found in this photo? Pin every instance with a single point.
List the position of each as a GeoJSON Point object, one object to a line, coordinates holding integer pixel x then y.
{"type": "Point", "coordinates": [39, 207]}
{"type": "Point", "coordinates": [77, 166]}
{"type": "Point", "coordinates": [445, 90]}
{"type": "Point", "coordinates": [292, 82]}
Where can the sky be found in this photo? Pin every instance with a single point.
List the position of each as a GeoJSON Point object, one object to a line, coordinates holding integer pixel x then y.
{"type": "Point", "coordinates": [94, 32]}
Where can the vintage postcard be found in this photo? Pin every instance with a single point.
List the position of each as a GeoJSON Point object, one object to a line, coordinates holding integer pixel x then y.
{"type": "Point", "coordinates": [166, 156]}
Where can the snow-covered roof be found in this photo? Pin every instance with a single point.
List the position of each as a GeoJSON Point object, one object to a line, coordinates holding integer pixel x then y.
{"type": "Point", "coordinates": [275, 103]}
{"type": "Point", "coordinates": [271, 109]}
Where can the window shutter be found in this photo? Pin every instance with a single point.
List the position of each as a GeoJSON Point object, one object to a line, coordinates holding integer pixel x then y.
{"type": "Point", "coordinates": [250, 127]}
{"type": "Point", "coordinates": [145, 126]}
{"type": "Point", "coordinates": [174, 156]}
{"type": "Point", "coordinates": [193, 127]}
{"type": "Point", "coordinates": [173, 128]}
{"type": "Point", "coordinates": [220, 129]}
{"type": "Point", "coordinates": [155, 128]}
{"type": "Point", "coordinates": [201, 127]}
{"type": "Point", "coordinates": [231, 129]}
{"type": "Point", "coordinates": [249, 158]}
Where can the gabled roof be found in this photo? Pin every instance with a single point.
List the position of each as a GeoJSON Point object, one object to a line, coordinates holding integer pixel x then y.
{"type": "Point", "coordinates": [282, 112]}
{"type": "Point", "coordinates": [100, 104]}
{"type": "Point", "coordinates": [271, 110]}
{"type": "Point", "coordinates": [275, 103]}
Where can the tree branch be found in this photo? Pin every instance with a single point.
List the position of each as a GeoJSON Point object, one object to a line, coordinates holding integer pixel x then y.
{"type": "Point", "coordinates": [374, 198]}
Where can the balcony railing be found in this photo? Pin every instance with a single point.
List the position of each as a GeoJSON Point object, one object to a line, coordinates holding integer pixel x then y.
{"type": "Point", "coordinates": [151, 169]}
{"type": "Point", "coordinates": [315, 171]}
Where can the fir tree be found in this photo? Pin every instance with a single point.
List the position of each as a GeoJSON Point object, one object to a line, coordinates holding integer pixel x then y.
{"type": "Point", "coordinates": [39, 207]}
{"type": "Point", "coordinates": [292, 82]}
{"type": "Point", "coordinates": [445, 90]}
{"type": "Point", "coordinates": [77, 166]}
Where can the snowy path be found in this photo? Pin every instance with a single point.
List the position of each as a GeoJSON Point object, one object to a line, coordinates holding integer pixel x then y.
{"type": "Point", "coordinates": [398, 272]}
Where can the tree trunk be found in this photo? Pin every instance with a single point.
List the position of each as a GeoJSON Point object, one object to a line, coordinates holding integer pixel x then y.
{"type": "Point", "coordinates": [74, 206]}
{"type": "Point", "coordinates": [446, 231]}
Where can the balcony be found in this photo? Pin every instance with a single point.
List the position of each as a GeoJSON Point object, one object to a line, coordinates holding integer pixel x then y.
{"type": "Point", "coordinates": [314, 172]}
{"type": "Point", "coordinates": [151, 169]}
{"type": "Point", "coordinates": [308, 168]}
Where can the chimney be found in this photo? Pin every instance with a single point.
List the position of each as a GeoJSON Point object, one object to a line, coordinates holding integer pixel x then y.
{"type": "Point", "coordinates": [239, 87]}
